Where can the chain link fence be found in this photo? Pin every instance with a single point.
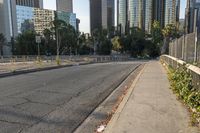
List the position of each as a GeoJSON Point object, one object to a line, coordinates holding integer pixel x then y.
{"type": "Point", "coordinates": [186, 48]}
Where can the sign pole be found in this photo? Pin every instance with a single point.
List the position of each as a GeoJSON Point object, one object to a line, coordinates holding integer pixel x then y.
{"type": "Point", "coordinates": [38, 41]}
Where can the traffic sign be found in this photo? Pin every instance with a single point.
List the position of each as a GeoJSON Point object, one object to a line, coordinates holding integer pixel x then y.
{"type": "Point", "coordinates": [38, 39]}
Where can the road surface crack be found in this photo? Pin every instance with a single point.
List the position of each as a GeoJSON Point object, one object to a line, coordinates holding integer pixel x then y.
{"type": "Point", "coordinates": [16, 123]}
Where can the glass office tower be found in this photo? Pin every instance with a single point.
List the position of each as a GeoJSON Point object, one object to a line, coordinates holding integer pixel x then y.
{"type": "Point", "coordinates": [25, 18]}
{"type": "Point", "coordinates": [158, 11]}
{"type": "Point", "coordinates": [136, 13]}
{"type": "Point", "coordinates": [101, 14]}
{"type": "Point", "coordinates": [192, 9]}
{"type": "Point", "coordinates": [172, 11]}
{"type": "Point", "coordinates": [36, 19]}
{"type": "Point", "coordinates": [69, 18]}
{"type": "Point", "coordinates": [104, 14]}
{"type": "Point", "coordinates": [148, 18]}
{"type": "Point", "coordinates": [122, 15]}
{"type": "Point", "coordinates": [110, 13]}
{"type": "Point", "coordinates": [95, 15]}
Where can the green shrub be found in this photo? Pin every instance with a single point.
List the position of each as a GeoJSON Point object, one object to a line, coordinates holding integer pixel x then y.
{"type": "Point", "coordinates": [181, 84]}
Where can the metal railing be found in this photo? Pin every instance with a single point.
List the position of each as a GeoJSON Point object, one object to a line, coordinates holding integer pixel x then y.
{"type": "Point", "coordinates": [175, 63]}
{"type": "Point", "coordinates": [63, 58]}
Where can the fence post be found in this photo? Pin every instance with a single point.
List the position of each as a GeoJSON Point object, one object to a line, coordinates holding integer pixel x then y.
{"type": "Point", "coordinates": [170, 49]}
{"type": "Point", "coordinates": [183, 47]}
{"type": "Point", "coordinates": [195, 49]}
{"type": "Point", "coordinates": [186, 47]}
{"type": "Point", "coordinates": [176, 47]}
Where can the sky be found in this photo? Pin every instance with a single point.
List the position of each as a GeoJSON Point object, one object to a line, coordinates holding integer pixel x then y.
{"type": "Point", "coordinates": [81, 8]}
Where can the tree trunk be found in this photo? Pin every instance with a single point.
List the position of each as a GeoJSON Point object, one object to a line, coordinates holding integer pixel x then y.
{"type": "Point", "coordinates": [1, 50]}
{"type": "Point", "coordinates": [165, 47]}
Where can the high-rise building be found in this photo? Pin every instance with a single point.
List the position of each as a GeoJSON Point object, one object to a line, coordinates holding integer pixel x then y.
{"type": "Point", "coordinates": [68, 17]}
{"type": "Point", "coordinates": [172, 11]}
{"type": "Point", "coordinates": [30, 3]}
{"type": "Point", "coordinates": [64, 5]}
{"type": "Point", "coordinates": [148, 15]}
{"type": "Point", "coordinates": [111, 13]}
{"type": "Point", "coordinates": [104, 14]}
{"type": "Point", "coordinates": [136, 13]}
{"type": "Point", "coordinates": [192, 16]}
{"type": "Point", "coordinates": [8, 23]}
{"type": "Point", "coordinates": [95, 15]}
{"type": "Point", "coordinates": [122, 16]}
{"type": "Point", "coordinates": [25, 18]}
{"type": "Point", "coordinates": [101, 14]}
{"type": "Point", "coordinates": [158, 11]}
{"type": "Point", "coordinates": [37, 19]}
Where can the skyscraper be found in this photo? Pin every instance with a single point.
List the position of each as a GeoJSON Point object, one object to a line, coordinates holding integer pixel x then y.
{"type": "Point", "coordinates": [30, 3]}
{"type": "Point", "coordinates": [64, 5]}
{"type": "Point", "coordinates": [192, 16]}
{"type": "Point", "coordinates": [172, 11]}
{"type": "Point", "coordinates": [111, 13]}
{"type": "Point", "coordinates": [158, 11]}
{"type": "Point", "coordinates": [101, 14]}
{"type": "Point", "coordinates": [8, 23]}
{"type": "Point", "coordinates": [136, 13]}
{"type": "Point", "coordinates": [104, 14]}
{"type": "Point", "coordinates": [148, 12]}
{"type": "Point", "coordinates": [95, 15]}
{"type": "Point", "coordinates": [122, 15]}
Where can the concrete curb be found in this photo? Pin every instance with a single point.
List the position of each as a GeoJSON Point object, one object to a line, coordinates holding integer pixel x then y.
{"type": "Point", "coordinates": [116, 115]}
{"type": "Point", "coordinates": [105, 108]}
{"type": "Point", "coordinates": [19, 72]}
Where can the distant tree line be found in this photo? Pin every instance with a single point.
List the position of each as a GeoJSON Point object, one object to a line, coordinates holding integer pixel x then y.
{"type": "Point", "coordinates": [62, 39]}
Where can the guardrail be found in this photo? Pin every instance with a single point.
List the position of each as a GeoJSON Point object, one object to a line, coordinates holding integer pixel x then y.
{"type": "Point", "coordinates": [64, 58]}
{"type": "Point", "coordinates": [193, 70]}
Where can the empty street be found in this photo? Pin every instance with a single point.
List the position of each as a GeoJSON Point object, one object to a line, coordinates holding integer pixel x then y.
{"type": "Point", "coordinates": [57, 100]}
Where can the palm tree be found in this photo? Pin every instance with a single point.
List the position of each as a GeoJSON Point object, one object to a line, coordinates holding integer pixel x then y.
{"type": "Point", "coordinates": [56, 28]}
{"type": "Point", "coordinates": [2, 41]}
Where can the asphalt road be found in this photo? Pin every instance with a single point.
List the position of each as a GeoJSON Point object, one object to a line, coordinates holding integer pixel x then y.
{"type": "Point", "coordinates": [56, 101]}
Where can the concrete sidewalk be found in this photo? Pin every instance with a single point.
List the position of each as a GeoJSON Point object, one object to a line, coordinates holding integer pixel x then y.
{"type": "Point", "coordinates": [151, 107]}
